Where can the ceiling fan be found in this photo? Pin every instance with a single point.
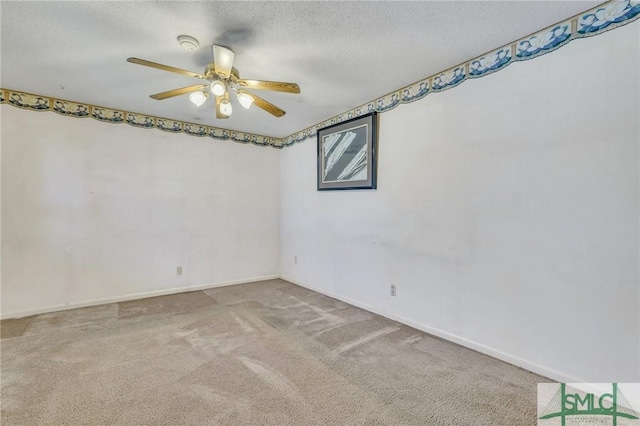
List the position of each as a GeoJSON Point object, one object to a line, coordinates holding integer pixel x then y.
{"type": "Point", "coordinates": [221, 79]}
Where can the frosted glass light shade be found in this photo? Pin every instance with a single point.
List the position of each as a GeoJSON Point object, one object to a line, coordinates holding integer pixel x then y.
{"type": "Point", "coordinates": [218, 88]}
{"type": "Point", "coordinates": [198, 98]}
{"type": "Point", "coordinates": [226, 108]}
{"type": "Point", "coordinates": [245, 99]}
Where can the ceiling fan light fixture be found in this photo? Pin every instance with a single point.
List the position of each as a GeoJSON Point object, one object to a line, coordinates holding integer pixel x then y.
{"type": "Point", "coordinates": [198, 98]}
{"type": "Point", "coordinates": [225, 106]}
{"type": "Point", "coordinates": [218, 88]}
{"type": "Point", "coordinates": [221, 78]}
{"type": "Point", "coordinates": [245, 99]}
{"type": "Point", "coordinates": [187, 42]}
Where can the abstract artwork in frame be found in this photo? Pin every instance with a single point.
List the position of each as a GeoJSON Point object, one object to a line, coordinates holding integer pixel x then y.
{"type": "Point", "coordinates": [347, 157]}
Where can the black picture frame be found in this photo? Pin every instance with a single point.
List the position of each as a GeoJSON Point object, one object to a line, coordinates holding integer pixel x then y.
{"type": "Point", "coordinates": [347, 154]}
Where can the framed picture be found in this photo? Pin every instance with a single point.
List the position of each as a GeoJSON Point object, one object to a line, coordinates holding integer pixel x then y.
{"type": "Point", "coordinates": [347, 157]}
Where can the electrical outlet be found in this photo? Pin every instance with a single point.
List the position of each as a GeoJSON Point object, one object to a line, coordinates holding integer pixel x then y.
{"type": "Point", "coordinates": [179, 270]}
{"type": "Point", "coordinates": [393, 290]}
{"type": "Point", "coordinates": [295, 259]}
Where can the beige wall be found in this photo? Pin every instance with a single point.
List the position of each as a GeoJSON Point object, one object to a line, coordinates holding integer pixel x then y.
{"type": "Point", "coordinates": [93, 211]}
{"type": "Point", "coordinates": [506, 214]}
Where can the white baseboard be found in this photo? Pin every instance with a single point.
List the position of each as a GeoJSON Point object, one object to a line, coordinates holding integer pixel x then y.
{"type": "Point", "coordinates": [476, 346]}
{"type": "Point", "coordinates": [133, 296]}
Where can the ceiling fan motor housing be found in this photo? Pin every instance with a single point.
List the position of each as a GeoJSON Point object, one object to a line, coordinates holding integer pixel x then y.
{"type": "Point", "coordinates": [210, 74]}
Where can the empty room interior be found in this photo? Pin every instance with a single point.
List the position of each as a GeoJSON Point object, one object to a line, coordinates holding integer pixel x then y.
{"type": "Point", "coordinates": [319, 213]}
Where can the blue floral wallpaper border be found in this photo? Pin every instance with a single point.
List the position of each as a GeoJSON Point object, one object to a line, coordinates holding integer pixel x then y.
{"type": "Point", "coordinates": [74, 109]}
{"type": "Point", "coordinates": [595, 21]}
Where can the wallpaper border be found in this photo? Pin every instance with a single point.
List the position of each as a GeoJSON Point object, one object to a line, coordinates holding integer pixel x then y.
{"type": "Point", "coordinates": [602, 18]}
{"type": "Point", "coordinates": [34, 102]}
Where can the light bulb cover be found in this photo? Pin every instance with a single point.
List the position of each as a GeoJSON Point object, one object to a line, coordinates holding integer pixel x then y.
{"type": "Point", "coordinates": [226, 108]}
{"type": "Point", "coordinates": [198, 98]}
{"type": "Point", "coordinates": [218, 88]}
{"type": "Point", "coordinates": [245, 99]}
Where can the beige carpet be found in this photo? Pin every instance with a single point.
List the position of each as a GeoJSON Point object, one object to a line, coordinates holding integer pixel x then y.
{"type": "Point", "coordinates": [262, 353]}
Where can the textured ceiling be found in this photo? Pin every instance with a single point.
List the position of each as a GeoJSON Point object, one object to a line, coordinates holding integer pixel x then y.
{"type": "Point", "coordinates": [342, 54]}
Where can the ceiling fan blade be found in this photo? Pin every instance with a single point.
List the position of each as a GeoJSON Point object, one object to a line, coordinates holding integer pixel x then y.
{"type": "Point", "coordinates": [264, 104]}
{"type": "Point", "coordinates": [222, 60]}
{"type": "Point", "coordinates": [163, 67]}
{"type": "Point", "coordinates": [277, 86]}
{"type": "Point", "coordinates": [218, 113]}
{"type": "Point", "coordinates": [178, 92]}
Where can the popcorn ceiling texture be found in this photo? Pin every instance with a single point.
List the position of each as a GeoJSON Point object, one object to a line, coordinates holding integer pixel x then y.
{"type": "Point", "coordinates": [261, 353]}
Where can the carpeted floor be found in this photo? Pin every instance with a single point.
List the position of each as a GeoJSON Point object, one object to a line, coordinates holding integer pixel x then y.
{"type": "Point", "coordinates": [261, 353]}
